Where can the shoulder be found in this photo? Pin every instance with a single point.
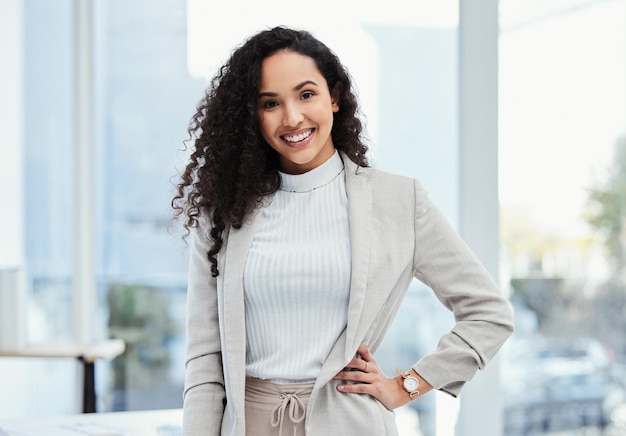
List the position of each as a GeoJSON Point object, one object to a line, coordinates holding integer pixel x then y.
{"type": "Point", "coordinates": [384, 178]}
{"type": "Point", "coordinates": [391, 193]}
{"type": "Point", "coordinates": [384, 182]}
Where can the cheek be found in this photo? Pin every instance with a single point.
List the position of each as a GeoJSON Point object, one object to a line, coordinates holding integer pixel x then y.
{"type": "Point", "coordinates": [330, 117]}
{"type": "Point", "coordinates": [265, 124]}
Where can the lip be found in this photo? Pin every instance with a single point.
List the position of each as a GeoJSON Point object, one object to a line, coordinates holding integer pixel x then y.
{"type": "Point", "coordinates": [301, 143]}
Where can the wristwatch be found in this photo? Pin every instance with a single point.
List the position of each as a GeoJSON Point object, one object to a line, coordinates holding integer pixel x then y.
{"type": "Point", "coordinates": [410, 384]}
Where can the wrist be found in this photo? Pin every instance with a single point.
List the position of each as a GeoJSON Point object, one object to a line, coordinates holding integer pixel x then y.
{"type": "Point", "coordinates": [410, 383]}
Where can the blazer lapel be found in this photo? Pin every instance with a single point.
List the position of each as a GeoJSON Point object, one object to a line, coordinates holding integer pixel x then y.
{"type": "Point", "coordinates": [359, 191]}
{"type": "Point", "coordinates": [239, 242]}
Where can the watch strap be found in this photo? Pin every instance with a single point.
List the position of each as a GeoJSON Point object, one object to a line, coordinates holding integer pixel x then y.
{"type": "Point", "coordinates": [404, 375]}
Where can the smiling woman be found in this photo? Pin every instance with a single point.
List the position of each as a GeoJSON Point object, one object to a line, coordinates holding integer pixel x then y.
{"type": "Point", "coordinates": [301, 256]}
{"type": "Point", "coordinates": [296, 111]}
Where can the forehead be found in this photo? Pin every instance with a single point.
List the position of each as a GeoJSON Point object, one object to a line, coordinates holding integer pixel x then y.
{"type": "Point", "coordinates": [287, 68]}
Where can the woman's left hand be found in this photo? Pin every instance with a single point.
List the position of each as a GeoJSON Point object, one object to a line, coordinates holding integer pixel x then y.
{"type": "Point", "coordinates": [371, 380]}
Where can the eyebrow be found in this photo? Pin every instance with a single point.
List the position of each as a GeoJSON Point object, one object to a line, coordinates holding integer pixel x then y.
{"type": "Point", "coordinates": [298, 87]}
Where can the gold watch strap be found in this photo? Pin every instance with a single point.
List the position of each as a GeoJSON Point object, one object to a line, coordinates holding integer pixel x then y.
{"type": "Point", "coordinates": [414, 394]}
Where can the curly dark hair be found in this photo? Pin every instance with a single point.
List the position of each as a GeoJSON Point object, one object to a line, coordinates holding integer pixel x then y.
{"type": "Point", "coordinates": [231, 167]}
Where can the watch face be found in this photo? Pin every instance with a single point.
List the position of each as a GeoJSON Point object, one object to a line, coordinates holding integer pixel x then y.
{"type": "Point", "coordinates": [410, 384]}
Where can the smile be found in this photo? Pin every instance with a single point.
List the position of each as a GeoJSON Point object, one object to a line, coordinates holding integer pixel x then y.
{"type": "Point", "coordinates": [299, 137]}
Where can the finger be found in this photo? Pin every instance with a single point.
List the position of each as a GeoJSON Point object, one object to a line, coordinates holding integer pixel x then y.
{"type": "Point", "coordinates": [355, 376]}
{"type": "Point", "coordinates": [354, 364]}
{"type": "Point", "coordinates": [365, 354]}
{"type": "Point", "coordinates": [357, 363]}
{"type": "Point", "coordinates": [359, 388]}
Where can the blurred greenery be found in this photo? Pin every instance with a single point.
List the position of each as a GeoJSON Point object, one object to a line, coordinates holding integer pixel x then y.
{"type": "Point", "coordinates": [139, 315]}
{"type": "Point", "coordinates": [606, 208]}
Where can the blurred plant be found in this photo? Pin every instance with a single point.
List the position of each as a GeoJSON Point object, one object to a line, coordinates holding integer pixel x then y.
{"type": "Point", "coordinates": [139, 315]}
{"type": "Point", "coordinates": [606, 214]}
{"type": "Point", "coordinates": [605, 211]}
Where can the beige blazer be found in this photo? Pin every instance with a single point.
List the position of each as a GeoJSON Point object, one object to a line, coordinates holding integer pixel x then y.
{"type": "Point", "coordinates": [396, 234]}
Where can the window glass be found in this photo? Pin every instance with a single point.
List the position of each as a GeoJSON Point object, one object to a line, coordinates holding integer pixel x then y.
{"type": "Point", "coordinates": [562, 195]}
{"type": "Point", "coordinates": [144, 99]}
{"type": "Point", "coordinates": [48, 169]}
{"type": "Point", "coordinates": [46, 148]}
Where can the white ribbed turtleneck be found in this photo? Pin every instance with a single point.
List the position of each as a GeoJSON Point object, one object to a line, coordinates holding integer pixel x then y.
{"type": "Point", "coordinates": [297, 276]}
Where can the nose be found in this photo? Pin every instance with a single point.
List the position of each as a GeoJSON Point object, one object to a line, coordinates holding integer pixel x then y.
{"type": "Point", "coordinates": [292, 115]}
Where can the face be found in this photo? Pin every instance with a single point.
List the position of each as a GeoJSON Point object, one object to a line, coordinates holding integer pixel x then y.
{"type": "Point", "coordinates": [295, 110]}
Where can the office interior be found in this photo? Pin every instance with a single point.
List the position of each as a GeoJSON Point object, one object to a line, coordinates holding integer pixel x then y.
{"type": "Point", "coordinates": [512, 113]}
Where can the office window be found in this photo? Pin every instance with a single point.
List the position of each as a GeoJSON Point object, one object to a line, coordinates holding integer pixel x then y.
{"type": "Point", "coordinates": [49, 163]}
{"type": "Point", "coordinates": [144, 99]}
{"type": "Point", "coordinates": [562, 122]}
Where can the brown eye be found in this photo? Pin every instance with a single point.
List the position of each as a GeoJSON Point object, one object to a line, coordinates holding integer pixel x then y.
{"type": "Point", "coordinates": [269, 104]}
{"type": "Point", "coordinates": [306, 95]}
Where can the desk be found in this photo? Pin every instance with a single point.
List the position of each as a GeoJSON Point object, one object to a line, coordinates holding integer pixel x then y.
{"type": "Point", "coordinates": [87, 354]}
{"type": "Point", "coordinates": [145, 423]}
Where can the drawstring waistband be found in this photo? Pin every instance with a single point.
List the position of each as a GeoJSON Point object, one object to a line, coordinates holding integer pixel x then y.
{"type": "Point", "coordinates": [286, 403]}
{"type": "Point", "coordinates": [291, 405]}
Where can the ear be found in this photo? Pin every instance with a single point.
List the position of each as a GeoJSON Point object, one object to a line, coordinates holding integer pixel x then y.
{"type": "Point", "coordinates": [334, 97]}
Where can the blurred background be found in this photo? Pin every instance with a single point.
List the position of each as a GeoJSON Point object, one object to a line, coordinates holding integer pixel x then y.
{"type": "Point", "coordinates": [103, 206]}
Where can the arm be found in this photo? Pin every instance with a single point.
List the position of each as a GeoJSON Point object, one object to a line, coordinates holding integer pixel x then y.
{"type": "Point", "coordinates": [483, 316]}
{"type": "Point", "coordinates": [204, 395]}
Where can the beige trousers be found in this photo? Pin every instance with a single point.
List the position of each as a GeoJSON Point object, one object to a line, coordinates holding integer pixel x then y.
{"type": "Point", "coordinates": [276, 409]}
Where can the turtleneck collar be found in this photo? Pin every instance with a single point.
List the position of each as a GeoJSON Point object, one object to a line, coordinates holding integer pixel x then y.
{"type": "Point", "coordinates": [316, 178]}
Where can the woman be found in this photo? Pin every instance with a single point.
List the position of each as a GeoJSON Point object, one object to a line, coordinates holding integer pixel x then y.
{"type": "Point", "coordinates": [301, 256]}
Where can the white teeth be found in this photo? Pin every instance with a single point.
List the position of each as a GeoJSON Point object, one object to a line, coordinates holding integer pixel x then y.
{"type": "Point", "coordinates": [297, 138]}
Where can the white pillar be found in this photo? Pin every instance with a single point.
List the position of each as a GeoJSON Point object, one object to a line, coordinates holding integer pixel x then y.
{"type": "Point", "coordinates": [480, 411]}
{"type": "Point", "coordinates": [12, 283]}
{"type": "Point", "coordinates": [84, 290]}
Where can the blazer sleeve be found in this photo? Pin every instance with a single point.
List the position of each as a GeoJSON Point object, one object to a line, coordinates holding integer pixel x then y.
{"type": "Point", "coordinates": [204, 394]}
{"type": "Point", "coordinates": [483, 317]}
